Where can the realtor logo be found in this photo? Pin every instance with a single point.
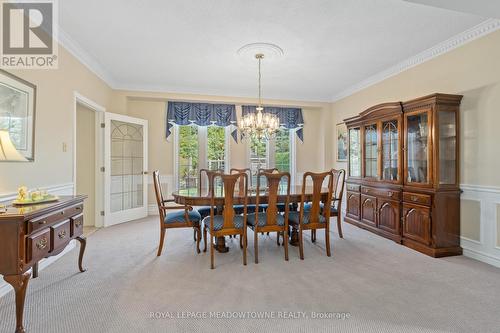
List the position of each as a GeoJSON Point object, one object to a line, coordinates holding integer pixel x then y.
{"type": "Point", "coordinates": [28, 29]}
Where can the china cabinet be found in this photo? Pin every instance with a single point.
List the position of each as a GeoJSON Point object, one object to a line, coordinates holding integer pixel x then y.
{"type": "Point", "coordinates": [403, 173]}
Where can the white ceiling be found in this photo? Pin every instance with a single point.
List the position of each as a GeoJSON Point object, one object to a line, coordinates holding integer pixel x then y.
{"type": "Point", "coordinates": [190, 46]}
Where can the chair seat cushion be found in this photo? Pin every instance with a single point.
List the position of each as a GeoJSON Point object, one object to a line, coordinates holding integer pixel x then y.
{"type": "Point", "coordinates": [239, 209]}
{"type": "Point", "coordinates": [293, 218]}
{"type": "Point", "coordinates": [238, 222]}
{"type": "Point", "coordinates": [262, 218]}
{"type": "Point", "coordinates": [205, 211]}
{"type": "Point", "coordinates": [308, 206]}
{"type": "Point", "coordinates": [179, 216]}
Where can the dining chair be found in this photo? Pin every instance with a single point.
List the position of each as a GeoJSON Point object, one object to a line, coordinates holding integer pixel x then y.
{"type": "Point", "coordinates": [271, 220]}
{"type": "Point", "coordinates": [336, 207]}
{"type": "Point", "coordinates": [206, 177]}
{"type": "Point", "coordinates": [241, 184]}
{"type": "Point", "coordinates": [315, 218]}
{"type": "Point", "coordinates": [228, 223]}
{"type": "Point", "coordinates": [185, 218]}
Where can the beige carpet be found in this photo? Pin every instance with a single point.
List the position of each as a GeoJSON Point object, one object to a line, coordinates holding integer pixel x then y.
{"type": "Point", "coordinates": [378, 285]}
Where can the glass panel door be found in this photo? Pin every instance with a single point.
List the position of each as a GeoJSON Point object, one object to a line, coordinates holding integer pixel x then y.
{"type": "Point", "coordinates": [447, 147]}
{"type": "Point", "coordinates": [371, 151]}
{"type": "Point", "coordinates": [417, 149]}
{"type": "Point", "coordinates": [354, 152]}
{"type": "Point", "coordinates": [125, 170]}
{"type": "Point", "coordinates": [390, 150]}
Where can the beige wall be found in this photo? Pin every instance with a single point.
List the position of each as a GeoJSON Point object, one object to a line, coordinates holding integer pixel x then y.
{"type": "Point", "coordinates": [54, 123]}
{"type": "Point", "coordinates": [472, 70]}
{"type": "Point", "coordinates": [498, 225]}
{"type": "Point", "coordinates": [85, 155]}
{"type": "Point", "coordinates": [151, 106]}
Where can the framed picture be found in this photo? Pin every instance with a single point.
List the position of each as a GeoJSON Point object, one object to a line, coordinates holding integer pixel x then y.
{"type": "Point", "coordinates": [17, 112]}
{"type": "Point", "coordinates": [341, 142]}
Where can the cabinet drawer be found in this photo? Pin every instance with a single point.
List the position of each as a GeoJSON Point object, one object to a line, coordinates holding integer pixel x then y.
{"type": "Point", "coordinates": [353, 187]}
{"type": "Point", "coordinates": [60, 234]}
{"type": "Point", "coordinates": [375, 192]}
{"type": "Point", "coordinates": [422, 199]}
{"type": "Point", "coordinates": [38, 245]}
{"type": "Point", "coordinates": [77, 225]}
{"type": "Point", "coordinates": [60, 215]}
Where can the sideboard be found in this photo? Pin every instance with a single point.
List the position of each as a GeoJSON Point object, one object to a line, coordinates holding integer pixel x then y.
{"type": "Point", "coordinates": [29, 234]}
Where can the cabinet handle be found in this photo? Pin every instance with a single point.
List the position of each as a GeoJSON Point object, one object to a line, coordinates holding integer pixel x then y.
{"type": "Point", "coordinates": [414, 198]}
{"type": "Point", "coordinates": [78, 223]}
{"type": "Point", "coordinates": [390, 193]}
{"type": "Point", "coordinates": [42, 244]}
{"type": "Point", "coordinates": [42, 222]}
{"type": "Point", "coordinates": [62, 212]}
{"type": "Point", "coordinates": [78, 208]}
{"type": "Point", "coordinates": [62, 234]}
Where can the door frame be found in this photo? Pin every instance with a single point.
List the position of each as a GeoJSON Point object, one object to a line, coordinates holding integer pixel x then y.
{"type": "Point", "coordinates": [137, 213]}
{"type": "Point", "coordinates": [99, 110]}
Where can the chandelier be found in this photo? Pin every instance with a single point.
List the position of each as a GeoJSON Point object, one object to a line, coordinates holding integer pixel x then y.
{"type": "Point", "coordinates": [259, 125]}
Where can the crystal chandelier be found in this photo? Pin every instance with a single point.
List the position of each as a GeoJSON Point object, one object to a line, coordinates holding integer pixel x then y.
{"type": "Point", "coordinates": [259, 125]}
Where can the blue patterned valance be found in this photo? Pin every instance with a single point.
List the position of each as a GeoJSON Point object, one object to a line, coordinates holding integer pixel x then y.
{"type": "Point", "coordinates": [290, 118]}
{"type": "Point", "coordinates": [201, 114]}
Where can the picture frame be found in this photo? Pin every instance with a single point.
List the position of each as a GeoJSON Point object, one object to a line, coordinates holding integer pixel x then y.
{"type": "Point", "coordinates": [341, 131]}
{"type": "Point", "coordinates": [17, 112]}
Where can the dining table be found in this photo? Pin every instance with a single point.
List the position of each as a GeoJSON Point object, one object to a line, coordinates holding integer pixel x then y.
{"type": "Point", "coordinates": [202, 197]}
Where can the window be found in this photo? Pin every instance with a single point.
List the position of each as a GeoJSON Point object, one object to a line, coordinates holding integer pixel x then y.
{"type": "Point", "coordinates": [198, 148]}
{"type": "Point", "coordinates": [277, 153]}
{"type": "Point", "coordinates": [188, 153]}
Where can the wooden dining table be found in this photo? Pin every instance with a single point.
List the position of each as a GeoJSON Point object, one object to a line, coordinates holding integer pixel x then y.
{"type": "Point", "coordinates": [202, 197]}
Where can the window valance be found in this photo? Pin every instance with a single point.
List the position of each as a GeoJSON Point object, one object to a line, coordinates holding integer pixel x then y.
{"type": "Point", "coordinates": [201, 114]}
{"type": "Point", "coordinates": [290, 118]}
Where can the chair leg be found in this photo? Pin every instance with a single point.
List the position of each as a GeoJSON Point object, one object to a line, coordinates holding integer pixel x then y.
{"type": "Point", "coordinates": [339, 226]}
{"type": "Point", "coordinates": [301, 244]}
{"type": "Point", "coordinates": [278, 238]}
{"type": "Point", "coordinates": [285, 244]}
{"type": "Point", "coordinates": [241, 241]}
{"type": "Point", "coordinates": [245, 247]}
{"type": "Point", "coordinates": [205, 239]}
{"type": "Point", "coordinates": [198, 238]}
{"type": "Point", "coordinates": [268, 233]}
{"type": "Point", "coordinates": [194, 235]}
{"type": "Point", "coordinates": [256, 246]}
{"type": "Point", "coordinates": [162, 238]}
{"type": "Point", "coordinates": [327, 242]}
{"type": "Point", "coordinates": [313, 238]}
{"type": "Point", "coordinates": [212, 265]}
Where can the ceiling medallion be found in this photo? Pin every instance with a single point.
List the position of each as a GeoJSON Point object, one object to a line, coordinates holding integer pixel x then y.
{"type": "Point", "coordinates": [272, 51]}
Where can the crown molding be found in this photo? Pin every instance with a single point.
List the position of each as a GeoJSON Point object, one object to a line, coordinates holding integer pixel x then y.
{"type": "Point", "coordinates": [87, 59]}
{"type": "Point", "coordinates": [462, 38]}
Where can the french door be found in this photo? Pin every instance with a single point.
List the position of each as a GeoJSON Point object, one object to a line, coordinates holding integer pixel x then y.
{"type": "Point", "coordinates": [125, 170]}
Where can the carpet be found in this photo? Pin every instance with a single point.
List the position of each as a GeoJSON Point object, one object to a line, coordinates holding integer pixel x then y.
{"type": "Point", "coordinates": [370, 284]}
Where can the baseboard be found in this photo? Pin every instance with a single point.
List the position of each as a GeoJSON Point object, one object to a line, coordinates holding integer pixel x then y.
{"type": "Point", "coordinates": [484, 257]}
{"type": "Point", "coordinates": [44, 263]}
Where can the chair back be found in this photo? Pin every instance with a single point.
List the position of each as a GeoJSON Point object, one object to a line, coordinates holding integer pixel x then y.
{"type": "Point", "coordinates": [209, 176]}
{"type": "Point", "coordinates": [338, 191]}
{"type": "Point", "coordinates": [273, 180]}
{"type": "Point", "coordinates": [241, 181]}
{"type": "Point", "coordinates": [229, 186]}
{"type": "Point", "coordinates": [262, 171]}
{"type": "Point", "coordinates": [318, 180]}
{"type": "Point", "coordinates": [158, 193]}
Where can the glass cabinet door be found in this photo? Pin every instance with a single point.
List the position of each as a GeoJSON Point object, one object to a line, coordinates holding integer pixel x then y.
{"type": "Point", "coordinates": [447, 147]}
{"type": "Point", "coordinates": [390, 150]}
{"type": "Point", "coordinates": [354, 152]}
{"type": "Point", "coordinates": [417, 148]}
{"type": "Point", "coordinates": [371, 151]}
